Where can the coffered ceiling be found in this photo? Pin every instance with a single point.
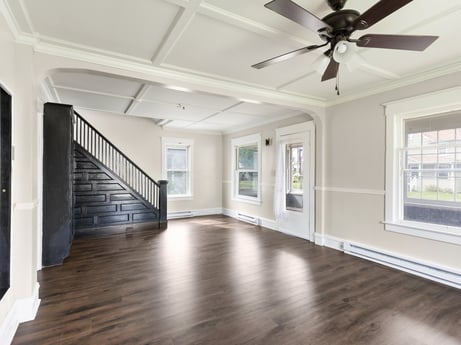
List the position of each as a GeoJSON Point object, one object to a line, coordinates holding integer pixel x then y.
{"type": "Point", "coordinates": [220, 40]}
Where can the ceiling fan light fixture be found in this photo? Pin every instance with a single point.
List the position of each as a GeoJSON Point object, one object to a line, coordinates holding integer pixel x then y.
{"type": "Point", "coordinates": [343, 52]}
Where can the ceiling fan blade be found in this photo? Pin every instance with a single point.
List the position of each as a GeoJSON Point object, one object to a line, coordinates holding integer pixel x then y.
{"type": "Point", "coordinates": [285, 56]}
{"type": "Point", "coordinates": [331, 71]}
{"type": "Point", "coordinates": [296, 13]}
{"type": "Point", "coordinates": [377, 12]}
{"type": "Point", "coordinates": [403, 42]}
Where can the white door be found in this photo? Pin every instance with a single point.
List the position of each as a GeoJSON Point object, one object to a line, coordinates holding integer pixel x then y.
{"type": "Point", "coordinates": [295, 180]}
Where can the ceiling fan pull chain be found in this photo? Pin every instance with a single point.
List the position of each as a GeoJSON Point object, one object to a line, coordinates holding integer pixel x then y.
{"type": "Point", "coordinates": [337, 85]}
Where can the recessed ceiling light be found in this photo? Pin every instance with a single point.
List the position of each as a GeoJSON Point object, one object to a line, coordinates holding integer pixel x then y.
{"type": "Point", "coordinates": [249, 101]}
{"type": "Point", "coordinates": [177, 88]}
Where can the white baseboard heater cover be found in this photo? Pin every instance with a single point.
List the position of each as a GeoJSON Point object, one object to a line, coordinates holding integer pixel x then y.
{"type": "Point", "coordinates": [247, 218]}
{"type": "Point", "coordinates": [438, 274]}
{"type": "Point", "coordinates": [180, 214]}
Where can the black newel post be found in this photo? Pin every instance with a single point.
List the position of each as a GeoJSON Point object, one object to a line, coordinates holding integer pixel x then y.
{"type": "Point", "coordinates": [163, 222]}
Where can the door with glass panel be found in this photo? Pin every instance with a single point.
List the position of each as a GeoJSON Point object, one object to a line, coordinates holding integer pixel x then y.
{"type": "Point", "coordinates": [295, 180]}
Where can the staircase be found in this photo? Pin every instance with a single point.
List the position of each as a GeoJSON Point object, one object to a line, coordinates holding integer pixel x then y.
{"type": "Point", "coordinates": [109, 189]}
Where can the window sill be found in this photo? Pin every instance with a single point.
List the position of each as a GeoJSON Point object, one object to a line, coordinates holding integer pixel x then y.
{"type": "Point", "coordinates": [180, 197]}
{"type": "Point", "coordinates": [247, 200]}
{"type": "Point", "coordinates": [430, 231]}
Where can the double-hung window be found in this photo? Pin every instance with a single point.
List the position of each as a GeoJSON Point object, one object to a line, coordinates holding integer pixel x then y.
{"type": "Point", "coordinates": [176, 166]}
{"type": "Point", "coordinates": [423, 185]}
{"type": "Point", "coordinates": [246, 168]}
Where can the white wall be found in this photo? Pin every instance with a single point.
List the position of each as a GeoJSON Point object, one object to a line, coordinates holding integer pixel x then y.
{"type": "Point", "coordinates": [140, 139]}
{"type": "Point", "coordinates": [17, 76]}
{"type": "Point", "coordinates": [355, 181]}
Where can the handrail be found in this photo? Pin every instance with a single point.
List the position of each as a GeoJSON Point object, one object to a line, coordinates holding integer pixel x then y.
{"type": "Point", "coordinates": [107, 153]}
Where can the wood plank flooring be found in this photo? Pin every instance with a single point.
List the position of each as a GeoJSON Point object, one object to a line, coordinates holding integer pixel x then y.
{"type": "Point", "coordinates": [214, 280]}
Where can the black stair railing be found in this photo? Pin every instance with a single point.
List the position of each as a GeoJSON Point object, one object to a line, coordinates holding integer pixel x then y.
{"type": "Point", "coordinates": [102, 149]}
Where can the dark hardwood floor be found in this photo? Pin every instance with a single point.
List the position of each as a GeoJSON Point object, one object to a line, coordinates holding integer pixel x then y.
{"type": "Point", "coordinates": [214, 280]}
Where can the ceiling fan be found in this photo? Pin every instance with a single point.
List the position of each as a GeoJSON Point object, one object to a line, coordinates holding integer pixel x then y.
{"type": "Point", "coordinates": [337, 27]}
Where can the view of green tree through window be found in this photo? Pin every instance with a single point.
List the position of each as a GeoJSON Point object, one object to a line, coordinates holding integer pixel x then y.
{"type": "Point", "coordinates": [247, 164]}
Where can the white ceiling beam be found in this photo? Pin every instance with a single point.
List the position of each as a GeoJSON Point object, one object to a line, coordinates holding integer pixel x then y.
{"type": "Point", "coordinates": [138, 98]}
{"type": "Point", "coordinates": [26, 15]}
{"type": "Point", "coordinates": [92, 92]}
{"type": "Point", "coordinates": [181, 3]}
{"type": "Point", "coordinates": [250, 25]}
{"type": "Point", "coordinates": [178, 28]}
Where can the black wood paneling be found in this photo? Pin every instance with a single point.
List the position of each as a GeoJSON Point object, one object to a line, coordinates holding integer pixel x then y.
{"type": "Point", "coordinates": [102, 199]}
{"type": "Point", "coordinates": [5, 192]}
{"type": "Point", "coordinates": [57, 183]}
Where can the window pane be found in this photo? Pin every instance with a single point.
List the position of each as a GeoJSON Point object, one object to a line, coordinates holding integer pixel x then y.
{"type": "Point", "coordinates": [177, 183]}
{"type": "Point", "coordinates": [177, 159]}
{"type": "Point", "coordinates": [295, 164]}
{"type": "Point", "coordinates": [248, 184]}
{"type": "Point", "coordinates": [414, 140]}
{"type": "Point", "coordinates": [248, 157]}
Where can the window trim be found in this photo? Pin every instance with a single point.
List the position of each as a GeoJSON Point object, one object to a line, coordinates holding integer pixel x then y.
{"type": "Point", "coordinates": [239, 142]}
{"type": "Point", "coordinates": [436, 103]}
{"type": "Point", "coordinates": [170, 142]}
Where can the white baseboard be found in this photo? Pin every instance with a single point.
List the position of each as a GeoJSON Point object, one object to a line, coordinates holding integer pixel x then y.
{"type": "Point", "coordinates": [194, 213]}
{"type": "Point", "coordinates": [264, 222]}
{"type": "Point", "coordinates": [328, 241]}
{"type": "Point", "coordinates": [444, 275]}
{"type": "Point", "coordinates": [23, 310]}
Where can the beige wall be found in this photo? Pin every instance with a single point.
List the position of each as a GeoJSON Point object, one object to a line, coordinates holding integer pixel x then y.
{"type": "Point", "coordinates": [355, 159]}
{"type": "Point", "coordinates": [265, 209]}
{"type": "Point", "coordinates": [140, 139]}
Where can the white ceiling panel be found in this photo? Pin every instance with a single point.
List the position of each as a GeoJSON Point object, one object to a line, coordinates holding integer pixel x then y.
{"type": "Point", "coordinates": [262, 110]}
{"type": "Point", "coordinates": [171, 111]}
{"type": "Point", "coordinates": [206, 126]}
{"type": "Point", "coordinates": [348, 81]}
{"type": "Point", "coordinates": [96, 82]}
{"type": "Point", "coordinates": [159, 93]}
{"type": "Point", "coordinates": [135, 28]}
{"type": "Point", "coordinates": [92, 101]}
{"type": "Point", "coordinates": [229, 51]}
{"type": "Point", "coordinates": [178, 124]}
{"type": "Point", "coordinates": [232, 119]}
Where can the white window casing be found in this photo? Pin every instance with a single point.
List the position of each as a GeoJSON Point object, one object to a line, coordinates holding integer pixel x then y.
{"type": "Point", "coordinates": [169, 144]}
{"type": "Point", "coordinates": [433, 104]}
{"type": "Point", "coordinates": [238, 143]}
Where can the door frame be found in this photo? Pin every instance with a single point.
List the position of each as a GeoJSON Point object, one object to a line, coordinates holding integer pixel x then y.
{"type": "Point", "coordinates": [299, 128]}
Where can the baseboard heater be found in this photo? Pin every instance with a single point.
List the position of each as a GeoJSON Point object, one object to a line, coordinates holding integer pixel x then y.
{"type": "Point", "coordinates": [180, 214]}
{"type": "Point", "coordinates": [438, 274]}
{"type": "Point", "coordinates": [247, 218]}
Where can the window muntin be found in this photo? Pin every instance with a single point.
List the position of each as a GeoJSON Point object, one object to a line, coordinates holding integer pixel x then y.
{"type": "Point", "coordinates": [246, 168]}
{"type": "Point", "coordinates": [177, 154]}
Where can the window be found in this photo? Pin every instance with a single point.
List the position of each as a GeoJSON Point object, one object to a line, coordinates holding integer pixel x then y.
{"type": "Point", "coordinates": [423, 183]}
{"type": "Point", "coordinates": [294, 156]}
{"type": "Point", "coordinates": [176, 164]}
{"type": "Point", "coordinates": [246, 168]}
